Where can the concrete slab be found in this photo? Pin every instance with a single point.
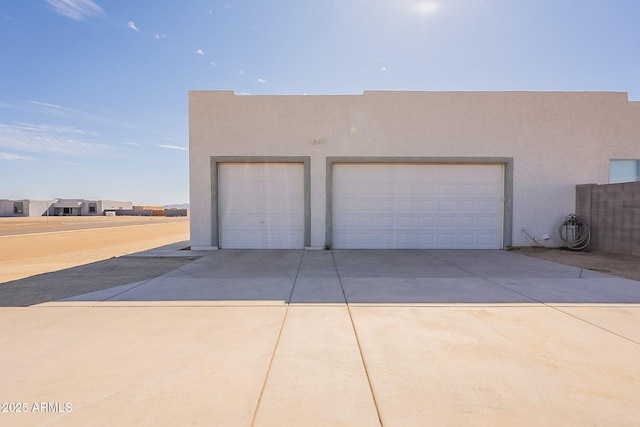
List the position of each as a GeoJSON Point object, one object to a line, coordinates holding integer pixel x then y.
{"type": "Point", "coordinates": [622, 319]}
{"type": "Point", "coordinates": [246, 290]}
{"type": "Point", "coordinates": [583, 290]}
{"type": "Point", "coordinates": [178, 274]}
{"type": "Point", "coordinates": [496, 366]}
{"type": "Point", "coordinates": [17, 323]}
{"type": "Point", "coordinates": [313, 290]}
{"type": "Point", "coordinates": [99, 296]}
{"type": "Point", "coordinates": [246, 263]}
{"type": "Point", "coordinates": [131, 366]}
{"type": "Point", "coordinates": [427, 290]}
{"type": "Point", "coordinates": [317, 376]}
{"type": "Point", "coordinates": [265, 337]}
{"type": "Point", "coordinates": [498, 263]}
{"type": "Point", "coordinates": [318, 264]}
{"type": "Point", "coordinates": [393, 263]}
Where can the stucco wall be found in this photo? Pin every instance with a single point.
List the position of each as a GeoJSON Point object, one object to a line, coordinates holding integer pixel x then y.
{"type": "Point", "coordinates": [6, 207]}
{"type": "Point", "coordinates": [557, 140]}
{"type": "Point", "coordinates": [39, 207]}
{"type": "Point", "coordinates": [29, 207]}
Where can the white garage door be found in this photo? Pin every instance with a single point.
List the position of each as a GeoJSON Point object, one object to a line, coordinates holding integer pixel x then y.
{"type": "Point", "coordinates": [426, 206]}
{"type": "Point", "coordinates": [261, 205]}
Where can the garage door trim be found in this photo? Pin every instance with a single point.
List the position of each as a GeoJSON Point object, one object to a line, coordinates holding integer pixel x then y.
{"type": "Point", "coordinates": [215, 207]}
{"type": "Point", "coordinates": [507, 162]}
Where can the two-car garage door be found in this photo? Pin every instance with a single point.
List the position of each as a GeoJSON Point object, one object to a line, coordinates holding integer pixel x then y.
{"type": "Point", "coordinates": [373, 205]}
{"type": "Point", "coordinates": [427, 206]}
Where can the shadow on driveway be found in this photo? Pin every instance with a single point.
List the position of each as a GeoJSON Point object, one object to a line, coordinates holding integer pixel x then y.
{"type": "Point", "coordinates": [86, 278]}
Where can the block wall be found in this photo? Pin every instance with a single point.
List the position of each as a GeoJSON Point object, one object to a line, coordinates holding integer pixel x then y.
{"type": "Point", "coordinates": [612, 212]}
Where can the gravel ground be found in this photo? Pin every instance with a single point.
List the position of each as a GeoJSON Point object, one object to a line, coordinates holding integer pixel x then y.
{"type": "Point", "coordinates": [627, 266]}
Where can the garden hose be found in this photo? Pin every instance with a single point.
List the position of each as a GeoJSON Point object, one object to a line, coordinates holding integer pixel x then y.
{"type": "Point", "coordinates": [574, 232]}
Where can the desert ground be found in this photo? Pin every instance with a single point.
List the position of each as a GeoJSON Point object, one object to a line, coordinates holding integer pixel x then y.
{"type": "Point", "coordinates": [627, 266]}
{"type": "Point", "coordinates": [37, 245]}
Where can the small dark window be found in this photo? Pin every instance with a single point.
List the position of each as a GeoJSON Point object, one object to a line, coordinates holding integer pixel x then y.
{"type": "Point", "coordinates": [17, 208]}
{"type": "Point", "coordinates": [92, 208]}
{"type": "Point", "coordinates": [67, 211]}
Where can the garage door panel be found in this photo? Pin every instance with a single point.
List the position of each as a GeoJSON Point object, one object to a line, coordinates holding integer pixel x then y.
{"type": "Point", "coordinates": [386, 239]}
{"type": "Point", "coordinates": [445, 223]}
{"type": "Point", "coordinates": [407, 221]}
{"type": "Point", "coordinates": [487, 222]}
{"type": "Point", "coordinates": [386, 221]}
{"type": "Point", "coordinates": [489, 206]}
{"type": "Point", "coordinates": [427, 222]}
{"type": "Point", "coordinates": [261, 205]}
{"type": "Point", "coordinates": [367, 221]}
{"type": "Point", "coordinates": [466, 206]}
{"type": "Point", "coordinates": [467, 190]}
{"type": "Point", "coordinates": [446, 206]}
{"type": "Point", "coordinates": [427, 239]}
{"type": "Point", "coordinates": [428, 206]}
{"type": "Point", "coordinates": [487, 190]}
{"type": "Point", "coordinates": [447, 190]}
{"type": "Point", "coordinates": [466, 239]}
{"type": "Point", "coordinates": [446, 239]}
{"type": "Point", "coordinates": [384, 205]}
{"type": "Point", "coordinates": [406, 205]}
{"type": "Point", "coordinates": [467, 222]}
{"type": "Point", "coordinates": [487, 241]}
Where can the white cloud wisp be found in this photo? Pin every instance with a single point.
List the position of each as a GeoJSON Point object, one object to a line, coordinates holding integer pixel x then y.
{"type": "Point", "coordinates": [77, 10]}
{"type": "Point", "coordinates": [35, 138]}
{"type": "Point", "coordinates": [132, 26]}
{"type": "Point", "coordinates": [173, 147]}
{"type": "Point", "coordinates": [9, 156]}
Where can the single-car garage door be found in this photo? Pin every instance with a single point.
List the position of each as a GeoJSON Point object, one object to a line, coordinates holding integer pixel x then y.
{"type": "Point", "coordinates": [261, 205]}
{"type": "Point", "coordinates": [422, 206]}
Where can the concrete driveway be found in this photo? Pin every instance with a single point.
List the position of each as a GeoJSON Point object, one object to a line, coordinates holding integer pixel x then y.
{"type": "Point", "coordinates": [352, 338]}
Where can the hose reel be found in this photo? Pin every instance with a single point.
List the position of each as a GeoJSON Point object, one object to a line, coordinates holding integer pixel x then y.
{"type": "Point", "coordinates": [575, 233]}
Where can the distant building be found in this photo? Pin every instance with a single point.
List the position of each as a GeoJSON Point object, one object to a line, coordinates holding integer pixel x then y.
{"type": "Point", "coordinates": [60, 207]}
{"type": "Point", "coordinates": [24, 207]}
{"type": "Point", "coordinates": [152, 211]}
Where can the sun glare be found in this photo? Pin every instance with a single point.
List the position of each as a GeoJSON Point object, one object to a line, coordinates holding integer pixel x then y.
{"type": "Point", "coordinates": [426, 7]}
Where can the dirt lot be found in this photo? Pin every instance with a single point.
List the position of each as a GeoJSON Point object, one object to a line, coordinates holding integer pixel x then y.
{"type": "Point", "coordinates": [31, 246]}
{"type": "Point", "coordinates": [627, 266]}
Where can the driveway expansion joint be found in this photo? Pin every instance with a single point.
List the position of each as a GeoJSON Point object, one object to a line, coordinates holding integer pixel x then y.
{"type": "Point", "coordinates": [275, 347]}
{"type": "Point", "coordinates": [355, 333]}
{"type": "Point", "coordinates": [593, 324]}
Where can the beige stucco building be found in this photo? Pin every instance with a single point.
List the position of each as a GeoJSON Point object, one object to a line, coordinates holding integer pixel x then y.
{"type": "Point", "coordinates": [399, 169]}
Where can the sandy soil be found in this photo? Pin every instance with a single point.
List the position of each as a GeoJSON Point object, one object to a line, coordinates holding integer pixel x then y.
{"type": "Point", "coordinates": [30, 246]}
{"type": "Point", "coordinates": [627, 266]}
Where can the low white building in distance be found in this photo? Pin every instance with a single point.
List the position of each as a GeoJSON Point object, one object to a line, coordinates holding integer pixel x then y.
{"type": "Point", "coordinates": [60, 207]}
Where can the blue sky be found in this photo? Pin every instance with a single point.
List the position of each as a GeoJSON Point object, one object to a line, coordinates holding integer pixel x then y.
{"type": "Point", "coordinates": [93, 93]}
